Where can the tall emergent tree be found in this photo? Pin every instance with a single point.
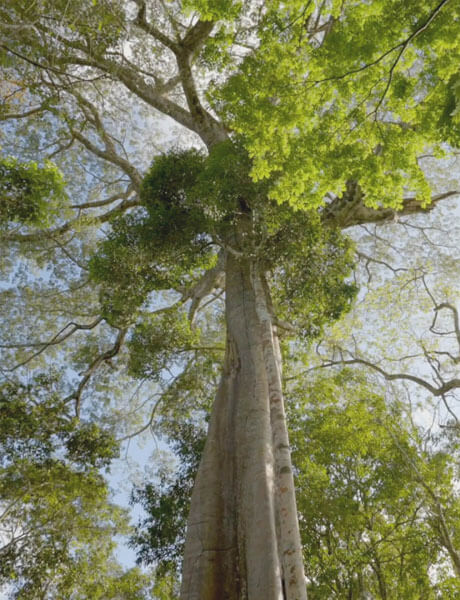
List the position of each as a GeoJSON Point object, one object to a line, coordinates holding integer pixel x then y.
{"type": "Point", "coordinates": [296, 120]}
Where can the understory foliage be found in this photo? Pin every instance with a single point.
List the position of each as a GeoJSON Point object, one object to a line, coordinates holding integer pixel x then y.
{"type": "Point", "coordinates": [368, 521]}
{"type": "Point", "coordinates": [56, 519]}
{"type": "Point", "coordinates": [159, 538]}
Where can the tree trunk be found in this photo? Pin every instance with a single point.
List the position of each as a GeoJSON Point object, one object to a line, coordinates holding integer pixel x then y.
{"type": "Point", "coordinates": [242, 531]}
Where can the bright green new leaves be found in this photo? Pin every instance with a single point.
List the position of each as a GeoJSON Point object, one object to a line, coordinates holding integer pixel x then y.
{"type": "Point", "coordinates": [449, 121]}
{"type": "Point", "coordinates": [354, 92]}
{"type": "Point", "coordinates": [213, 10]}
{"type": "Point", "coordinates": [29, 194]}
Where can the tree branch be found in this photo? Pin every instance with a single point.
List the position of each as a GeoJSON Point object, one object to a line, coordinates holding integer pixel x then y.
{"type": "Point", "coordinates": [43, 234]}
{"type": "Point", "coordinates": [211, 279]}
{"type": "Point", "coordinates": [111, 156]}
{"type": "Point", "coordinates": [435, 391]}
{"type": "Point", "coordinates": [58, 338]}
{"type": "Point", "coordinates": [150, 29]}
{"type": "Point", "coordinates": [136, 84]}
{"type": "Point", "coordinates": [105, 356]}
{"type": "Point", "coordinates": [349, 210]}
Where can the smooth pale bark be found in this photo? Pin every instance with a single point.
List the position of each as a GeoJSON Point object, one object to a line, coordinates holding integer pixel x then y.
{"type": "Point", "coordinates": [289, 545]}
{"type": "Point", "coordinates": [235, 534]}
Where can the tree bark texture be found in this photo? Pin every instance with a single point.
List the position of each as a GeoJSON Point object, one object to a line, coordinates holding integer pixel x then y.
{"type": "Point", "coordinates": [242, 532]}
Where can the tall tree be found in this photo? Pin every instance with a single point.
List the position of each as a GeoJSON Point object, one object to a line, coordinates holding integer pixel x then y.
{"type": "Point", "coordinates": [314, 117]}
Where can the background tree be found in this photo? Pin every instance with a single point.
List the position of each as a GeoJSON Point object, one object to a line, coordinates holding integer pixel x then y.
{"type": "Point", "coordinates": [367, 521]}
{"type": "Point", "coordinates": [57, 523]}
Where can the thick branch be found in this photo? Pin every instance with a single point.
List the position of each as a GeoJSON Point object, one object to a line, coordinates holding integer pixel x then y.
{"type": "Point", "coordinates": [350, 210]}
{"type": "Point", "coordinates": [211, 131]}
{"type": "Point", "coordinates": [454, 312]}
{"type": "Point", "coordinates": [105, 201]}
{"type": "Point", "coordinates": [184, 50]}
{"type": "Point", "coordinates": [212, 279]}
{"type": "Point", "coordinates": [24, 115]}
{"type": "Point", "coordinates": [136, 84]}
{"type": "Point", "coordinates": [43, 234]}
{"type": "Point", "coordinates": [197, 35]}
{"type": "Point", "coordinates": [158, 35]}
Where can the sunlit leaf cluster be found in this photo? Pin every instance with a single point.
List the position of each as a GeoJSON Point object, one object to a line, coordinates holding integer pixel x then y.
{"type": "Point", "coordinates": [29, 193]}
{"type": "Point", "coordinates": [360, 99]}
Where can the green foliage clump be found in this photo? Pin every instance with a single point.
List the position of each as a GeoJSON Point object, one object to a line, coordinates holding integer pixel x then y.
{"type": "Point", "coordinates": [193, 204]}
{"type": "Point", "coordinates": [188, 201]}
{"type": "Point", "coordinates": [216, 53]}
{"type": "Point", "coordinates": [158, 247]}
{"type": "Point", "coordinates": [36, 425]}
{"type": "Point", "coordinates": [88, 444]}
{"type": "Point", "coordinates": [309, 279]}
{"type": "Point", "coordinates": [359, 100]}
{"type": "Point", "coordinates": [59, 523]}
{"type": "Point", "coordinates": [161, 340]}
{"type": "Point", "coordinates": [29, 194]}
{"type": "Point", "coordinates": [165, 194]}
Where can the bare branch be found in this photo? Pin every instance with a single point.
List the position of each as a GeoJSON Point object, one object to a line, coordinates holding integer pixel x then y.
{"type": "Point", "coordinates": [149, 28]}
{"type": "Point", "coordinates": [196, 36]}
{"type": "Point", "coordinates": [435, 391]}
{"type": "Point", "coordinates": [110, 155]}
{"type": "Point", "coordinates": [24, 115]}
{"type": "Point", "coordinates": [110, 200]}
{"type": "Point", "coordinates": [101, 358]}
{"type": "Point", "coordinates": [58, 338]}
{"type": "Point", "coordinates": [148, 425]}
